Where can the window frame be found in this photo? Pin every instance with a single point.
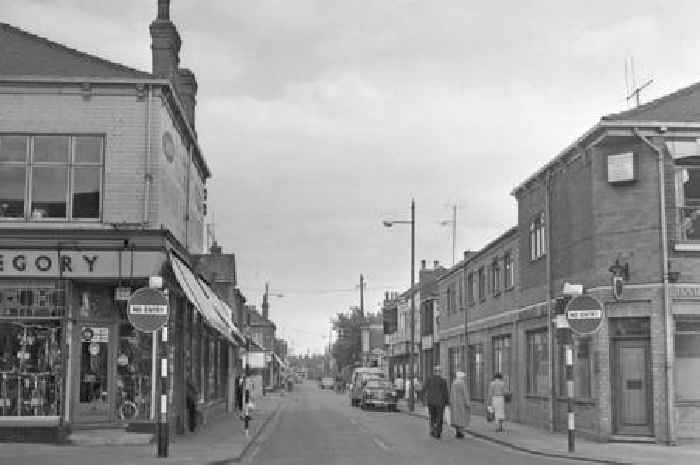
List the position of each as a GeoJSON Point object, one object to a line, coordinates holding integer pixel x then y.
{"type": "Point", "coordinates": [495, 281]}
{"type": "Point", "coordinates": [499, 343]}
{"type": "Point", "coordinates": [508, 271]}
{"type": "Point", "coordinates": [538, 239]}
{"type": "Point", "coordinates": [577, 379]}
{"type": "Point", "coordinates": [470, 288]}
{"type": "Point", "coordinates": [475, 367]}
{"type": "Point", "coordinates": [531, 385]}
{"type": "Point", "coordinates": [29, 164]}
{"type": "Point", "coordinates": [482, 283]}
{"type": "Point", "coordinates": [695, 331]}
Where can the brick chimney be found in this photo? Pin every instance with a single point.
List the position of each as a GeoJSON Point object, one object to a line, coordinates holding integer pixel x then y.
{"type": "Point", "coordinates": [165, 55]}
{"type": "Point", "coordinates": [165, 44]}
{"type": "Point", "coordinates": [215, 248]}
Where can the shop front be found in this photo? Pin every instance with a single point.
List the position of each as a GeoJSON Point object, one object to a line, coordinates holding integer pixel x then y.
{"type": "Point", "coordinates": [68, 355]}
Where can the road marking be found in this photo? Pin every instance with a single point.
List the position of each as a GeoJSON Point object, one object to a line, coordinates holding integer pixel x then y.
{"type": "Point", "coordinates": [353, 421]}
{"type": "Point", "coordinates": [380, 444]}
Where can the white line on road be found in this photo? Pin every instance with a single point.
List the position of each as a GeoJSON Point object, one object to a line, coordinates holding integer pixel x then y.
{"type": "Point", "coordinates": [380, 444]}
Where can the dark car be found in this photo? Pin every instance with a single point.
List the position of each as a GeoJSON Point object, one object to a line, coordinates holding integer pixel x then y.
{"type": "Point", "coordinates": [379, 393]}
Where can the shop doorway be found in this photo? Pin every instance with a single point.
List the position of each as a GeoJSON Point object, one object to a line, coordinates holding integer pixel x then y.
{"type": "Point", "coordinates": [93, 396]}
{"type": "Point", "coordinates": [631, 387]}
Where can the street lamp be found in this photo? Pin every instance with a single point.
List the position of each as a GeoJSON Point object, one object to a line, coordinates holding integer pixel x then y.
{"type": "Point", "coordinates": [412, 222]}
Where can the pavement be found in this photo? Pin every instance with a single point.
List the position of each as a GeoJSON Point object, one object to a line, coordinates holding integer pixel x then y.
{"type": "Point", "coordinates": [222, 440]}
{"type": "Point", "coordinates": [535, 441]}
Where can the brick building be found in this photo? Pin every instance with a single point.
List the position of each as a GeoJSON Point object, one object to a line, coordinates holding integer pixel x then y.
{"type": "Point", "coordinates": [102, 185]}
{"type": "Point", "coordinates": [622, 200]}
{"type": "Point", "coordinates": [429, 316]}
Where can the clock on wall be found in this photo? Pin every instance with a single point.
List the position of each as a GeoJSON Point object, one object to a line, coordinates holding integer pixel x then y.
{"type": "Point", "coordinates": [168, 146]}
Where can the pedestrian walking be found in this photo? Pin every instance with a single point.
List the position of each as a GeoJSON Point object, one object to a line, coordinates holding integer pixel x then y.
{"type": "Point", "coordinates": [460, 410]}
{"type": "Point", "coordinates": [436, 396]}
{"type": "Point", "coordinates": [497, 399]}
{"type": "Point", "coordinates": [247, 416]}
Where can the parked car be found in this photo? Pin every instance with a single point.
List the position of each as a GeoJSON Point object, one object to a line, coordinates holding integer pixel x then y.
{"type": "Point", "coordinates": [327, 383]}
{"type": "Point", "coordinates": [379, 393]}
{"type": "Point", "coordinates": [359, 376]}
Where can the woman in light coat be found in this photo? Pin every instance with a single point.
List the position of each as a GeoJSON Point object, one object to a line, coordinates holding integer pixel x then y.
{"type": "Point", "coordinates": [460, 410]}
{"type": "Point", "coordinates": [497, 393]}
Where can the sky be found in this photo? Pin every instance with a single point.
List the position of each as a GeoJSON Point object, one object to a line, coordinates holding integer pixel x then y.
{"type": "Point", "coordinates": [319, 119]}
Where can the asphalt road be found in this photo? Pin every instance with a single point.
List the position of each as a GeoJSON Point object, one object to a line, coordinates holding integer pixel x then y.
{"type": "Point", "coordinates": [319, 427]}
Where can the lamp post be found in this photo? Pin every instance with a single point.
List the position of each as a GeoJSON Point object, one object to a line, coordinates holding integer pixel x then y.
{"type": "Point", "coordinates": [412, 222]}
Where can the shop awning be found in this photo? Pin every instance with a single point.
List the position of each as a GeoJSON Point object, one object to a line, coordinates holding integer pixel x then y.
{"type": "Point", "coordinates": [204, 299]}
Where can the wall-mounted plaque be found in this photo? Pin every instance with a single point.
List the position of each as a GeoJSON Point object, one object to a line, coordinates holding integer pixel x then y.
{"type": "Point", "coordinates": [621, 167]}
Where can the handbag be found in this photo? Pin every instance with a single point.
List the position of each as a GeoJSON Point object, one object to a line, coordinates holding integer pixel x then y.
{"type": "Point", "coordinates": [490, 414]}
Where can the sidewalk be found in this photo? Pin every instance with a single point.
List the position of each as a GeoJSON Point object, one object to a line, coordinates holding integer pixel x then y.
{"type": "Point", "coordinates": [221, 441]}
{"type": "Point", "coordinates": [540, 442]}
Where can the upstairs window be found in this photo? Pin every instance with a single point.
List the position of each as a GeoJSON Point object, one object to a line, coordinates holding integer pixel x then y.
{"type": "Point", "coordinates": [482, 284]}
{"type": "Point", "coordinates": [688, 201]}
{"type": "Point", "coordinates": [538, 242]}
{"type": "Point", "coordinates": [470, 288]}
{"type": "Point", "coordinates": [50, 177]}
{"type": "Point", "coordinates": [495, 277]}
{"type": "Point", "coordinates": [508, 271]}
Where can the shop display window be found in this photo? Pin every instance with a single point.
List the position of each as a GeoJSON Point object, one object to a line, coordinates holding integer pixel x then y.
{"type": "Point", "coordinates": [30, 368]}
{"type": "Point", "coordinates": [31, 302]}
{"type": "Point", "coordinates": [134, 374]}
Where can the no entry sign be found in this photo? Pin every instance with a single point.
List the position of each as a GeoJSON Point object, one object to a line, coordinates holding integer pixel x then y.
{"type": "Point", "coordinates": [147, 309]}
{"type": "Point", "coordinates": [584, 314]}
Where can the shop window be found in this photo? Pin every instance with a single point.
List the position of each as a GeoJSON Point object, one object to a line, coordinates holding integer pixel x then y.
{"type": "Point", "coordinates": [30, 368]}
{"type": "Point", "coordinates": [538, 242]}
{"type": "Point", "coordinates": [476, 371]}
{"type": "Point", "coordinates": [502, 358]}
{"type": "Point", "coordinates": [687, 367]}
{"type": "Point", "coordinates": [453, 363]}
{"type": "Point", "coordinates": [537, 363]}
{"type": "Point", "coordinates": [64, 175]}
{"type": "Point", "coordinates": [36, 302]}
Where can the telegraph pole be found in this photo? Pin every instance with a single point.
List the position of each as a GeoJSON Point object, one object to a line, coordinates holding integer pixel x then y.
{"type": "Point", "coordinates": [411, 396]}
{"type": "Point", "coordinates": [362, 295]}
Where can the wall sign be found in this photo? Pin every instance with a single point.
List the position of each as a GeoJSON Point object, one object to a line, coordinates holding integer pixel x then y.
{"type": "Point", "coordinates": [621, 167]}
{"type": "Point", "coordinates": [70, 263]}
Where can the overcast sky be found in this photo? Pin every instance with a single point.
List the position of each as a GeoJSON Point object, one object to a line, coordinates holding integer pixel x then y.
{"type": "Point", "coordinates": [321, 118]}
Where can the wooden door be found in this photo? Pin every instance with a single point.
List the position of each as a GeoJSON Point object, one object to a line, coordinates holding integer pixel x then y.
{"type": "Point", "coordinates": [632, 388]}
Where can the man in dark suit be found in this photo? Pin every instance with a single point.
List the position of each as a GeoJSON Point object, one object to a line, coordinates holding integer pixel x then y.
{"type": "Point", "coordinates": [436, 397]}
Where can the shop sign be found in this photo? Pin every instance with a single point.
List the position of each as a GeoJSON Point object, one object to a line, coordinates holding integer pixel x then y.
{"type": "Point", "coordinates": [122, 360]}
{"type": "Point", "coordinates": [84, 263]}
{"type": "Point", "coordinates": [584, 314]}
{"type": "Point", "coordinates": [147, 309]}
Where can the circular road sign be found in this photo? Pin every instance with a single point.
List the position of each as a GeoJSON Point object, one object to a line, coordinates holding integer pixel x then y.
{"type": "Point", "coordinates": [147, 309]}
{"type": "Point", "coordinates": [584, 314]}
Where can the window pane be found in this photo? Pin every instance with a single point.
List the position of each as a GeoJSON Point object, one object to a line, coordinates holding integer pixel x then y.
{"type": "Point", "coordinates": [582, 370]}
{"type": "Point", "coordinates": [51, 149]}
{"type": "Point", "coordinates": [12, 183]}
{"type": "Point", "coordinates": [687, 369]}
{"type": "Point", "coordinates": [691, 186]}
{"type": "Point", "coordinates": [88, 149]}
{"type": "Point", "coordinates": [13, 148]}
{"type": "Point", "coordinates": [86, 192]}
{"type": "Point", "coordinates": [49, 186]}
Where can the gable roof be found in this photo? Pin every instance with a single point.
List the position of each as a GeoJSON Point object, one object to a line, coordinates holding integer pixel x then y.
{"type": "Point", "coordinates": [682, 105]}
{"type": "Point", "coordinates": [26, 54]}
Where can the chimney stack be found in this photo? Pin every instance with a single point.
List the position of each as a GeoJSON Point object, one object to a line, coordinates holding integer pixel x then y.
{"type": "Point", "coordinates": [436, 264]}
{"type": "Point", "coordinates": [215, 249]}
{"type": "Point", "coordinates": [422, 264]}
{"type": "Point", "coordinates": [466, 255]}
{"type": "Point", "coordinates": [165, 56]}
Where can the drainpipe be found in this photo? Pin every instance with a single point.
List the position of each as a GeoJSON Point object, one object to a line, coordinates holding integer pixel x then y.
{"type": "Point", "coordinates": [668, 326]}
{"type": "Point", "coordinates": [147, 177]}
{"type": "Point", "coordinates": [187, 197]}
{"type": "Point", "coordinates": [550, 333]}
